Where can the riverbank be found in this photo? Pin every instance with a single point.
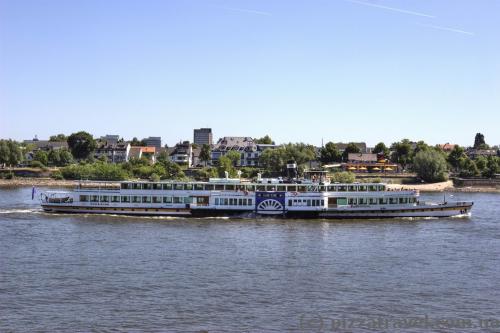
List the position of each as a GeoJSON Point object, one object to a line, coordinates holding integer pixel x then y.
{"type": "Point", "coordinates": [442, 187]}
{"type": "Point", "coordinates": [436, 187]}
{"type": "Point", "coordinates": [38, 182]}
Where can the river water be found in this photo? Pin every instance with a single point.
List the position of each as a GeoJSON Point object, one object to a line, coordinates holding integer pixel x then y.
{"type": "Point", "coordinates": [108, 273]}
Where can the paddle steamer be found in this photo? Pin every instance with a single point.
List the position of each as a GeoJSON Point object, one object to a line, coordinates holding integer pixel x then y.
{"type": "Point", "coordinates": [237, 198]}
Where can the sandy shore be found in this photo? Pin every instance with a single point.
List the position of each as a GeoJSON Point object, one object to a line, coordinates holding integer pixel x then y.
{"type": "Point", "coordinates": [39, 182]}
{"type": "Point", "coordinates": [441, 187]}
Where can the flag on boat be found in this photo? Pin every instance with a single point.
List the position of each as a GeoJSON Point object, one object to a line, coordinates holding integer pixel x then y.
{"type": "Point", "coordinates": [33, 193]}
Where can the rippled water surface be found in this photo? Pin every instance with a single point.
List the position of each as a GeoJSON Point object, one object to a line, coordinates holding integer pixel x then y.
{"type": "Point", "coordinates": [84, 272]}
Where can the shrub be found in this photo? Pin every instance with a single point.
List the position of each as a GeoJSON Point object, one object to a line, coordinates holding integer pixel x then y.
{"type": "Point", "coordinates": [57, 175]}
{"type": "Point", "coordinates": [37, 164]}
{"type": "Point", "coordinates": [343, 177]}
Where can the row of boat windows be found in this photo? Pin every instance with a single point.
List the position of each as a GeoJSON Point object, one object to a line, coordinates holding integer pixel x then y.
{"type": "Point", "coordinates": [378, 201]}
{"type": "Point", "coordinates": [268, 187]}
{"type": "Point", "coordinates": [136, 199]}
{"type": "Point", "coordinates": [233, 202]}
{"type": "Point", "coordinates": [306, 202]}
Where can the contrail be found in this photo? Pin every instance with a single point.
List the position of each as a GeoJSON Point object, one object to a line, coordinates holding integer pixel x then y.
{"type": "Point", "coordinates": [249, 11]}
{"type": "Point", "coordinates": [447, 29]}
{"type": "Point", "coordinates": [398, 10]}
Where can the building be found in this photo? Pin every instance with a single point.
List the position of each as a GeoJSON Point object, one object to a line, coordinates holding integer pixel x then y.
{"type": "Point", "coordinates": [368, 162]}
{"type": "Point", "coordinates": [475, 153]}
{"type": "Point", "coordinates": [153, 141]}
{"type": "Point", "coordinates": [447, 147]}
{"type": "Point", "coordinates": [114, 151]}
{"type": "Point", "coordinates": [202, 136]}
{"type": "Point", "coordinates": [46, 145]}
{"type": "Point", "coordinates": [140, 152]}
{"type": "Point", "coordinates": [110, 139]}
{"type": "Point", "coordinates": [250, 152]}
{"type": "Point", "coordinates": [182, 153]}
{"type": "Point", "coordinates": [361, 145]}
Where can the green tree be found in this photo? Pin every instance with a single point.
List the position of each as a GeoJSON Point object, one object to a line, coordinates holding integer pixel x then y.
{"type": "Point", "coordinates": [4, 152]}
{"type": "Point", "coordinates": [456, 156]}
{"type": "Point", "coordinates": [58, 137]}
{"type": "Point", "coordinates": [330, 153]}
{"type": "Point", "coordinates": [41, 156]}
{"type": "Point", "coordinates": [430, 165]}
{"type": "Point", "coordinates": [234, 156]}
{"type": "Point", "coordinates": [54, 157]}
{"type": "Point", "coordinates": [266, 140]}
{"type": "Point", "coordinates": [381, 148]}
{"type": "Point", "coordinates": [482, 163]}
{"type": "Point", "coordinates": [343, 177]}
{"type": "Point", "coordinates": [468, 167]}
{"type": "Point", "coordinates": [226, 164]}
{"type": "Point", "coordinates": [136, 143]}
{"type": "Point", "coordinates": [492, 167]}
{"type": "Point", "coordinates": [421, 146]}
{"type": "Point", "coordinates": [205, 154]}
{"type": "Point", "coordinates": [81, 144]}
{"type": "Point", "coordinates": [350, 149]}
{"type": "Point", "coordinates": [479, 142]}
{"type": "Point", "coordinates": [273, 160]}
{"type": "Point", "coordinates": [402, 152]}
{"type": "Point", "coordinates": [65, 157]}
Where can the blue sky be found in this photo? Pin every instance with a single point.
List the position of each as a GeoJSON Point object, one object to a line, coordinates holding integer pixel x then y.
{"type": "Point", "coordinates": [337, 70]}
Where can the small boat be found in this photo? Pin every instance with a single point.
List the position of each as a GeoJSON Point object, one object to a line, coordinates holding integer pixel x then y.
{"type": "Point", "coordinates": [238, 198]}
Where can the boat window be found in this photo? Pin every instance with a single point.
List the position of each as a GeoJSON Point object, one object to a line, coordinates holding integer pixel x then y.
{"type": "Point", "coordinates": [115, 198]}
{"type": "Point", "coordinates": [94, 198]}
{"type": "Point", "coordinates": [251, 188]}
{"type": "Point", "coordinates": [403, 200]}
{"type": "Point", "coordinates": [125, 199]}
{"type": "Point", "coordinates": [209, 187]}
{"type": "Point", "coordinates": [332, 188]}
{"type": "Point", "coordinates": [362, 201]}
{"type": "Point", "coordinates": [156, 199]}
{"type": "Point", "coordinates": [177, 200]}
{"type": "Point", "coordinates": [382, 201]}
{"type": "Point", "coordinates": [146, 186]}
{"type": "Point", "coordinates": [245, 202]}
{"type": "Point", "coordinates": [342, 188]}
{"type": "Point", "coordinates": [281, 188]}
{"type": "Point", "coordinates": [179, 187]}
{"type": "Point", "coordinates": [136, 186]}
{"type": "Point", "coordinates": [301, 188]}
{"type": "Point", "coordinates": [146, 199]}
{"type": "Point", "coordinates": [198, 187]}
{"type": "Point", "coordinates": [314, 203]}
{"type": "Point", "coordinates": [363, 188]}
{"type": "Point", "coordinates": [249, 202]}
{"type": "Point", "coordinates": [229, 187]}
{"type": "Point", "coordinates": [381, 188]}
{"type": "Point", "coordinates": [372, 188]}
{"type": "Point", "coordinates": [322, 188]}
{"type": "Point", "coordinates": [372, 201]}
{"type": "Point", "coordinates": [240, 202]}
{"type": "Point", "coordinates": [216, 201]}
{"type": "Point", "coordinates": [126, 186]}
{"type": "Point", "coordinates": [167, 199]}
{"type": "Point", "coordinates": [292, 188]}
{"type": "Point", "coordinates": [351, 188]}
{"type": "Point", "coordinates": [156, 186]}
{"type": "Point", "coordinates": [261, 187]}
{"type": "Point", "coordinates": [322, 203]}
{"type": "Point", "coordinates": [226, 201]}
{"type": "Point", "coordinates": [188, 200]}
{"type": "Point", "coordinates": [167, 186]}
{"type": "Point", "coordinates": [219, 187]}
{"type": "Point", "coordinates": [341, 201]}
{"type": "Point", "coordinates": [393, 201]}
{"type": "Point", "coordinates": [189, 187]}
{"type": "Point", "coordinates": [351, 201]}
{"type": "Point", "coordinates": [136, 199]}
{"type": "Point", "coordinates": [84, 198]}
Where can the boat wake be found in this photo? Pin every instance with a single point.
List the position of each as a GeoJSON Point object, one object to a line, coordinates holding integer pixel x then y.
{"type": "Point", "coordinates": [20, 211]}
